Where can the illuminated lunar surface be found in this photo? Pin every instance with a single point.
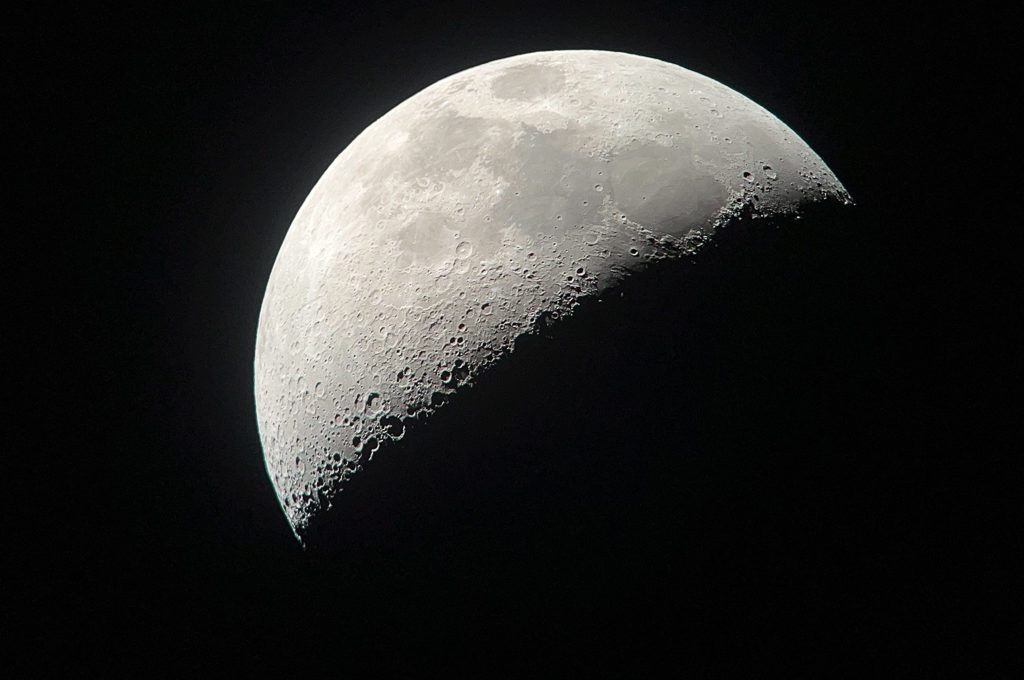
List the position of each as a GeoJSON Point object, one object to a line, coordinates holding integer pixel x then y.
{"type": "Point", "coordinates": [496, 199]}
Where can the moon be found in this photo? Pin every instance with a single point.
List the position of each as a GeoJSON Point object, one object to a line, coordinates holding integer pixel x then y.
{"type": "Point", "coordinates": [487, 204]}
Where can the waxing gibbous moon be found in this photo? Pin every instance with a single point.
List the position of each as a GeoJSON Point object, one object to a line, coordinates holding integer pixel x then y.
{"type": "Point", "coordinates": [495, 198]}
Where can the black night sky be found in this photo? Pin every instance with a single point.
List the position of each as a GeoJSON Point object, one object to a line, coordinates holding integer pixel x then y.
{"type": "Point", "coordinates": [773, 469]}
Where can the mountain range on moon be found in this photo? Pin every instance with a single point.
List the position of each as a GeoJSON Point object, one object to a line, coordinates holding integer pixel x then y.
{"type": "Point", "coordinates": [493, 202]}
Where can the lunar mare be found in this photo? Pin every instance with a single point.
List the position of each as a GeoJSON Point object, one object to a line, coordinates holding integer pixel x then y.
{"type": "Point", "coordinates": [491, 201]}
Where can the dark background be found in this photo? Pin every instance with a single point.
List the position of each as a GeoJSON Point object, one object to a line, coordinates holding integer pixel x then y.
{"type": "Point", "coordinates": [793, 454]}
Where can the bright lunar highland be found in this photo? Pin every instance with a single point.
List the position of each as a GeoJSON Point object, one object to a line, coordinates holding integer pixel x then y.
{"type": "Point", "coordinates": [492, 201]}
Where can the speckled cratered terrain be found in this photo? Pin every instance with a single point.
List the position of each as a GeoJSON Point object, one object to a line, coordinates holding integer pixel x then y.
{"type": "Point", "coordinates": [491, 201]}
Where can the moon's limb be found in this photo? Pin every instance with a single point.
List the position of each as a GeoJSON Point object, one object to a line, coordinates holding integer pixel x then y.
{"type": "Point", "coordinates": [453, 223]}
